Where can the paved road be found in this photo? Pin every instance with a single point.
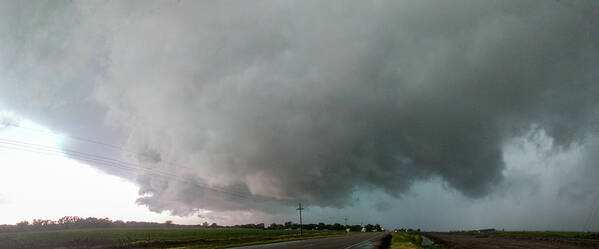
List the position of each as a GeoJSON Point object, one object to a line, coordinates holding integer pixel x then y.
{"type": "Point", "coordinates": [362, 241]}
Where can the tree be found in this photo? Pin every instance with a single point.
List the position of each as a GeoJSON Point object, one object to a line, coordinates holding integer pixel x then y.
{"type": "Point", "coordinates": [338, 227]}
{"type": "Point", "coordinates": [23, 226]}
{"type": "Point", "coordinates": [70, 221]}
{"type": "Point", "coordinates": [23, 223]}
{"type": "Point", "coordinates": [40, 224]}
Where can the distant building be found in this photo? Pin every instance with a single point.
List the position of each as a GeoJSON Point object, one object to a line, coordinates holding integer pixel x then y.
{"type": "Point", "coordinates": [488, 230]}
{"type": "Point", "coordinates": [363, 229]}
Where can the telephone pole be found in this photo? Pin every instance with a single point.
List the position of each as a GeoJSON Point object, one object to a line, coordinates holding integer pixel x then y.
{"type": "Point", "coordinates": [345, 221]}
{"type": "Point", "coordinates": [300, 211]}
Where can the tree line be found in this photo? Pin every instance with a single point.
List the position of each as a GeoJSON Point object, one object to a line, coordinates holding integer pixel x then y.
{"type": "Point", "coordinates": [75, 222]}
{"type": "Point", "coordinates": [323, 226]}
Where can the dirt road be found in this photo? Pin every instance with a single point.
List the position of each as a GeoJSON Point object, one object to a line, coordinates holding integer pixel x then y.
{"type": "Point", "coordinates": [470, 241]}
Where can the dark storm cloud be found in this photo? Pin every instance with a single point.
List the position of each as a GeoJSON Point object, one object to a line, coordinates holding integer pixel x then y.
{"type": "Point", "coordinates": [311, 101]}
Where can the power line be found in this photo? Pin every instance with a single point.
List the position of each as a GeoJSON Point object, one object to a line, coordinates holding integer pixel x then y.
{"type": "Point", "coordinates": [110, 161]}
{"type": "Point", "coordinates": [49, 152]}
{"type": "Point", "coordinates": [97, 142]}
{"type": "Point", "coordinates": [89, 140]}
{"type": "Point", "coordinates": [119, 148]}
{"type": "Point", "coordinates": [105, 161]}
{"type": "Point", "coordinates": [85, 156]}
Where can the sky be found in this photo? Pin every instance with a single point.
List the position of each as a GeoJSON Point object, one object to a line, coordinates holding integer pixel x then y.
{"type": "Point", "coordinates": [440, 115]}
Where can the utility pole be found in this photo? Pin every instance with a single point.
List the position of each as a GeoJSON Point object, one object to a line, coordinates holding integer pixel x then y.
{"type": "Point", "coordinates": [300, 211]}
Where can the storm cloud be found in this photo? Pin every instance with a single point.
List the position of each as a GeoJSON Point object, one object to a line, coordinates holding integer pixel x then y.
{"type": "Point", "coordinates": [305, 101]}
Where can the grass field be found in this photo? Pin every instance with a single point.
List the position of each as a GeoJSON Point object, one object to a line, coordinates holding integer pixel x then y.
{"type": "Point", "coordinates": [409, 241]}
{"type": "Point", "coordinates": [151, 238]}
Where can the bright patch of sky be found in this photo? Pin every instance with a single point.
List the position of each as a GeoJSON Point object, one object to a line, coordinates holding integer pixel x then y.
{"type": "Point", "coordinates": [38, 182]}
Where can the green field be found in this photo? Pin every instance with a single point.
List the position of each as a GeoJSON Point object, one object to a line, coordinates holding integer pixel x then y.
{"type": "Point", "coordinates": [403, 240]}
{"type": "Point", "coordinates": [152, 238]}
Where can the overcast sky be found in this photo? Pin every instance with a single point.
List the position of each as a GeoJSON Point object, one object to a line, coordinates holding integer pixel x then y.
{"type": "Point", "coordinates": [433, 114]}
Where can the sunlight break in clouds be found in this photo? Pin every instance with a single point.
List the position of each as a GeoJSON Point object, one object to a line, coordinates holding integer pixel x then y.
{"type": "Point", "coordinates": [47, 185]}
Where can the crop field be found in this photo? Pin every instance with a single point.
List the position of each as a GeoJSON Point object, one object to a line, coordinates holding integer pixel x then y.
{"type": "Point", "coordinates": [151, 238]}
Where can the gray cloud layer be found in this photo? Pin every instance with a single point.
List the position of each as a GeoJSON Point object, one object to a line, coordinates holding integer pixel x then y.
{"type": "Point", "coordinates": [306, 101]}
